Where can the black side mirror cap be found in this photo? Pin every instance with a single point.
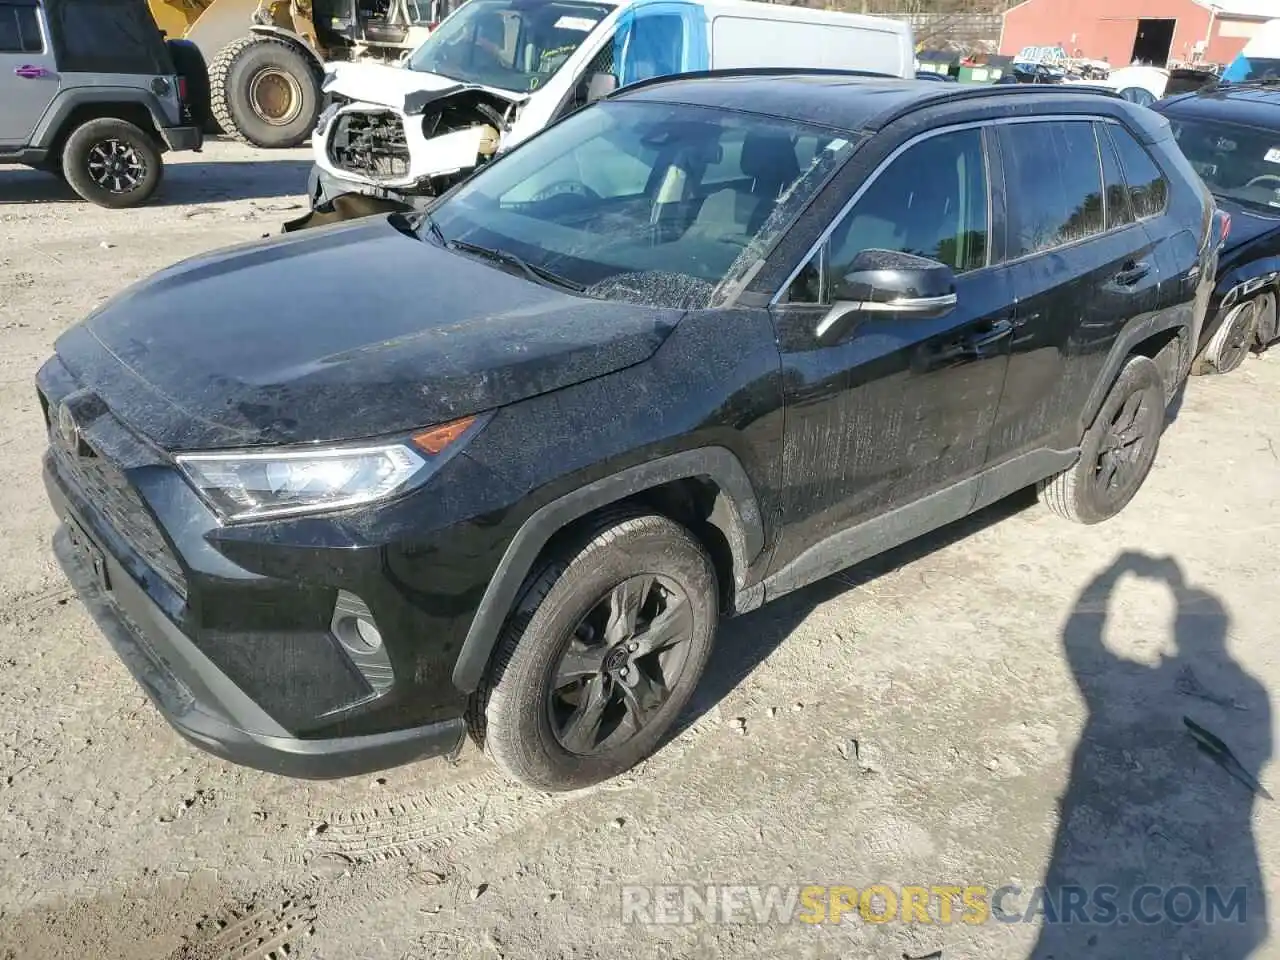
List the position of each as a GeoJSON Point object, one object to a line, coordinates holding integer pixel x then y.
{"type": "Point", "coordinates": [888, 281]}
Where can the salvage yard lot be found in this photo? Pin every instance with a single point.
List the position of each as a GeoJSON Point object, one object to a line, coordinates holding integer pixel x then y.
{"type": "Point", "coordinates": [992, 710]}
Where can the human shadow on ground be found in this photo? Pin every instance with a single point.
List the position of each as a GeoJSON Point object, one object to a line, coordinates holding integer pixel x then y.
{"type": "Point", "coordinates": [1155, 844]}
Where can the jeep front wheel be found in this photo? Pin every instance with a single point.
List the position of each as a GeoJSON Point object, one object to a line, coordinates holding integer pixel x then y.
{"type": "Point", "coordinates": [112, 163]}
{"type": "Point", "coordinates": [601, 656]}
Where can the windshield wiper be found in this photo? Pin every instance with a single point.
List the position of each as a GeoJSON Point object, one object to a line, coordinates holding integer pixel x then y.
{"type": "Point", "coordinates": [422, 218]}
{"type": "Point", "coordinates": [536, 274]}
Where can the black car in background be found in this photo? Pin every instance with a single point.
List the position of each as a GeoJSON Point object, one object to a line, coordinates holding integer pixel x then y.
{"type": "Point", "coordinates": [506, 463]}
{"type": "Point", "coordinates": [1231, 136]}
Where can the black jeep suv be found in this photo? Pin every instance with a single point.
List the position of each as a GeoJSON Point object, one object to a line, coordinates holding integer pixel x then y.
{"type": "Point", "coordinates": [333, 495]}
{"type": "Point", "coordinates": [1231, 136]}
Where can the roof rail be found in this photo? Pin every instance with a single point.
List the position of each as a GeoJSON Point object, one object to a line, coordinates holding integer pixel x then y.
{"type": "Point", "coordinates": [730, 72]}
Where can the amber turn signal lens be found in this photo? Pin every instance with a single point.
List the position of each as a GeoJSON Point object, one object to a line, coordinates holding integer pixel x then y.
{"type": "Point", "coordinates": [437, 438]}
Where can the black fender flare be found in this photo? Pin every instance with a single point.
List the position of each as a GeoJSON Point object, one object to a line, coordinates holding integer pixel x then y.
{"type": "Point", "coordinates": [49, 129]}
{"type": "Point", "coordinates": [1129, 338]}
{"type": "Point", "coordinates": [737, 515]}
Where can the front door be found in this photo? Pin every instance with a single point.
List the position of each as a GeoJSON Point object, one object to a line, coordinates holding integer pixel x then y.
{"type": "Point", "coordinates": [900, 407]}
{"type": "Point", "coordinates": [28, 75]}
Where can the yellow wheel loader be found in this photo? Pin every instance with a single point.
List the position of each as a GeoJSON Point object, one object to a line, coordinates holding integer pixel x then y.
{"type": "Point", "coordinates": [265, 57]}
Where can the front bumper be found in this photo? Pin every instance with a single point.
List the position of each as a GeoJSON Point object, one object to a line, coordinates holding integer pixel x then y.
{"type": "Point", "coordinates": [334, 200]}
{"type": "Point", "coordinates": [198, 699]}
{"type": "Point", "coordinates": [183, 138]}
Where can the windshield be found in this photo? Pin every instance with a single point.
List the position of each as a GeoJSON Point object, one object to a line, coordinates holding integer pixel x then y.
{"type": "Point", "coordinates": [509, 44]}
{"type": "Point", "coordinates": [1237, 162]}
{"type": "Point", "coordinates": [647, 202]}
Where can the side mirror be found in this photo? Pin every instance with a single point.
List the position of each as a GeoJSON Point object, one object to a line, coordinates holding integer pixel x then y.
{"type": "Point", "coordinates": [889, 282]}
{"type": "Point", "coordinates": [600, 85]}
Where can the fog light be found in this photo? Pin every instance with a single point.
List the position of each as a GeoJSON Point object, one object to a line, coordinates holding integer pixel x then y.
{"type": "Point", "coordinates": [354, 627]}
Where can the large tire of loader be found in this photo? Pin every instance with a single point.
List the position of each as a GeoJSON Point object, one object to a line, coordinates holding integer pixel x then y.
{"type": "Point", "coordinates": [265, 91]}
{"type": "Point", "coordinates": [189, 64]}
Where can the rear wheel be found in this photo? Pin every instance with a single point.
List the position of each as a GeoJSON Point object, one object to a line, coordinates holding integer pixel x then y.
{"type": "Point", "coordinates": [1229, 346]}
{"type": "Point", "coordinates": [265, 92]}
{"type": "Point", "coordinates": [112, 163]}
{"type": "Point", "coordinates": [602, 655]}
{"type": "Point", "coordinates": [1117, 451]}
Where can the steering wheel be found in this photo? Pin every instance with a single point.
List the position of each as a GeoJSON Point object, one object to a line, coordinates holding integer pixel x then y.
{"type": "Point", "coordinates": [1265, 178]}
{"type": "Point", "coordinates": [562, 188]}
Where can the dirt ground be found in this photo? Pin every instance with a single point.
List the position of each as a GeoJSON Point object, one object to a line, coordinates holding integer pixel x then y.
{"type": "Point", "coordinates": [1007, 733]}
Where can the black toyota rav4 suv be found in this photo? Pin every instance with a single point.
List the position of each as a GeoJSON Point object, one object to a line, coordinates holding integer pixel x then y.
{"type": "Point", "coordinates": [334, 496]}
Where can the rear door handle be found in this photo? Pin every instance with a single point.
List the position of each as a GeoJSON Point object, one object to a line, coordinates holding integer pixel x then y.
{"type": "Point", "coordinates": [978, 342]}
{"type": "Point", "coordinates": [30, 72]}
{"type": "Point", "coordinates": [1132, 272]}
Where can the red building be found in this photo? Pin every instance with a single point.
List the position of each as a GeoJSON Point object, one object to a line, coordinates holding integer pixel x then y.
{"type": "Point", "coordinates": [1128, 31]}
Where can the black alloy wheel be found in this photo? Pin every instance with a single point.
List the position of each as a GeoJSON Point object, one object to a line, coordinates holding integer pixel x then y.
{"type": "Point", "coordinates": [618, 668]}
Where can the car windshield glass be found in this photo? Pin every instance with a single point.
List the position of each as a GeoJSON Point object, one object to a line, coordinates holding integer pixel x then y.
{"type": "Point", "coordinates": [1237, 162]}
{"type": "Point", "coordinates": [647, 202]}
{"type": "Point", "coordinates": [509, 44]}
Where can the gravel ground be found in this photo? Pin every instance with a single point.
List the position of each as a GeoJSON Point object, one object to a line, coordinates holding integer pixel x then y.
{"type": "Point", "coordinates": [1016, 686]}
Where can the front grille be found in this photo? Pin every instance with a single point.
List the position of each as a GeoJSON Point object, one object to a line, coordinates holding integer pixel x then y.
{"type": "Point", "coordinates": [106, 488]}
{"type": "Point", "coordinates": [372, 145]}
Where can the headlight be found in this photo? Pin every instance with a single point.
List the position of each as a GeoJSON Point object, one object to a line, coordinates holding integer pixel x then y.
{"type": "Point", "coordinates": [256, 484]}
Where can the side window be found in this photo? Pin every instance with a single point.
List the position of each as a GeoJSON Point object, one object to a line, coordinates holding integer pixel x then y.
{"type": "Point", "coordinates": [930, 201]}
{"type": "Point", "coordinates": [1147, 186]}
{"type": "Point", "coordinates": [1054, 183]}
{"type": "Point", "coordinates": [19, 30]}
{"type": "Point", "coordinates": [655, 47]}
{"type": "Point", "coordinates": [1119, 210]}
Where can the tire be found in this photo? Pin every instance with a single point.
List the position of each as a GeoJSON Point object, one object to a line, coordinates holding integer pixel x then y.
{"type": "Point", "coordinates": [189, 63]}
{"type": "Point", "coordinates": [108, 140]}
{"type": "Point", "coordinates": [1230, 343]}
{"type": "Point", "coordinates": [248, 70]}
{"type": "Point", "coordinates": [1083, 493]}
{"type": "Point", "coordinates": [1268, 323]}
{"type": "Point", "coordinates": [533, 727]}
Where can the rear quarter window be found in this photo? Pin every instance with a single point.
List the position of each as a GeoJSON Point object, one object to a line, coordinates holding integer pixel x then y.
{"type": "Point", "coordinates": [1148, 189]}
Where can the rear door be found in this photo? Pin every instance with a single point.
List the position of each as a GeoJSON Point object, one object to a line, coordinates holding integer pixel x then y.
{"type": "Point", "coordinates": [901, 406]}
{"type": "Point", "coordinates": [28, 78]}
{"type": "Point", "coordinates": [1081, 271]}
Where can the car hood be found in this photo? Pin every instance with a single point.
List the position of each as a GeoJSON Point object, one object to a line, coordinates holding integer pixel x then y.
{"type": "Point", "coordinates": [399, 87]}
{"type": "Point", "coordinates": [340, 333]}
{"type": "Point", "coordinates": [1247, 224]}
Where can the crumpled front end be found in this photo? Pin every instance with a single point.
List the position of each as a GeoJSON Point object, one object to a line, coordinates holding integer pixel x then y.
{"type": "Point", "coordinates": [373, 157]}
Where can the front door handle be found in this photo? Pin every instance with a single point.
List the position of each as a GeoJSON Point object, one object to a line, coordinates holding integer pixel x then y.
{"type": "Point", "coordinates": [1132, 272]}
{"type": "Point", "coordinates": [29, 72]}
{"type": "Point", "coordinates": [980, 342]}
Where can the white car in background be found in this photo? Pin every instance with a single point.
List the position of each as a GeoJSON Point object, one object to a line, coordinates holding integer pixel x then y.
{"type": "Point", "coordinates": [1145, 85]}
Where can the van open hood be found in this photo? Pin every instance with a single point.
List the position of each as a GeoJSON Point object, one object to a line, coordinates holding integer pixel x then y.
{"type": "Point", "coordinates": [399, 87]}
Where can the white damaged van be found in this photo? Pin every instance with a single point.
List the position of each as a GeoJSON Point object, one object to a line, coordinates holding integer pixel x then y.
{"type": "Point", "coordinates": [495, 72]}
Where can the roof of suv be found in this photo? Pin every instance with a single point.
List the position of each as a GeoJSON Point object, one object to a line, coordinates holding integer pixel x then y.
{"type": "Point", "coordinates": [1249, 103]}
{"type": "Point", "coordinates": [843, 100]}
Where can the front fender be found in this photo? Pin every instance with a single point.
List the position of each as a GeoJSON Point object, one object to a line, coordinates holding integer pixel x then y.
{"type": "Point", "coordinates": [745, 533]}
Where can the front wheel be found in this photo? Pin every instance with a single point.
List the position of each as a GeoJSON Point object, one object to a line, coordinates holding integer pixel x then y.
{"type": "Point", "coordinates": [112, 163]}
{"type": "Point", "coordinates": [1230, 345]}
{"type": "Point", "coordinates": [1117, 451]}
{"type": "Point", "coordinates": [601, 656]}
